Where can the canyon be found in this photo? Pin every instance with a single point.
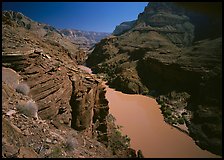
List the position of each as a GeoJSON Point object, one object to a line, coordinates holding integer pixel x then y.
{"type": "Point", "coordinates": [168, 72]}
{"type": "Point", "coordinates": [140, 118]}
{"type": "Point", "coordinates": [166, 54]}
{"type": "Point", "coordinates": [72, 118]}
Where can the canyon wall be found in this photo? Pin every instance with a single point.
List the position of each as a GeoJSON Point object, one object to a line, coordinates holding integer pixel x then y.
{"type": "Point", "coordinates": [159, 56]}
{"type": "Point", "coordinates": [72, 109]}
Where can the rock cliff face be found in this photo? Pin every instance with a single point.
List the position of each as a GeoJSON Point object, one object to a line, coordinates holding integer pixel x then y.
{"type": "Point", "coordinates": [48, 136]}
{"type": "Point", "coordinates": [208, 15]}
{"type": "Point", "coordinates": [164, 18]}
{"type": "Point", "coordinates": [158, 56]}
{"type": "Point", "coordinates": [168, 20]}
{"type": "Point", "coordinates": [123, 27]}
{"type": "Point", "coordinates": [85, 39]}
{"type": "Point", "coordinates": [72, 109]}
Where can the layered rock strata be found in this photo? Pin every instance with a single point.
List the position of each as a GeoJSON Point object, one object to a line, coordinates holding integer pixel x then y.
{"type": "Point", "coordinates": [72, 118]}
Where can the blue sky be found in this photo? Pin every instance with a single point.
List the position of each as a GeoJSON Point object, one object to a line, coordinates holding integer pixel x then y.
{"type": "Point", "coordinates": [89, 16]}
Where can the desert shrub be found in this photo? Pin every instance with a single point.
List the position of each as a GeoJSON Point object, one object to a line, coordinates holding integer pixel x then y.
{"type": "Point", "coordinates": [118, 142]}
{"type": "Point", "coordinates": [28, 26]}
{"type": "Point", "coordinates": [180, 120]}
{"type": "Point", "coordinates": [139, 153]}
{"type": "Point", "coordinates": [29, 108]}
{"type": "Point", "coordinates": [167, 112]}
{"type": "Point", "coordinates": [56, 153]}
{"type": "Point", "coordinates": [23, 88]}
{"type": "Point", "coordinates": [70, 144]}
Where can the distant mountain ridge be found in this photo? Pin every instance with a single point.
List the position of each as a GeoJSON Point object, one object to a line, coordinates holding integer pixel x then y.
{"type": "Point", "coordinates": [84, 38]}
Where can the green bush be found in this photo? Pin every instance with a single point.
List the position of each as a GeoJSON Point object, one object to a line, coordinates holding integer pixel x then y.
{"type": "Point", "coordinates": [167, 112]}
{"type": "Point", "coordinates": [180, 121]}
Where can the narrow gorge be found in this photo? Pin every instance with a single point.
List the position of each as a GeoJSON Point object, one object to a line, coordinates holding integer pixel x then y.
{"type": "Point", "coordinates": [151, 89]}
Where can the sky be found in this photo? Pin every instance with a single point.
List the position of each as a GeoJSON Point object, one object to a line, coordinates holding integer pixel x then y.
{"type": "Point", "coordinates": [87, 16]}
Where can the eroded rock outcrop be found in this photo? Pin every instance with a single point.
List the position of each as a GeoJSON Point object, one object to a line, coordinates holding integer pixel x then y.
{"type": "Point", "coordinates": [27, 137]}
{"type": "Point", "coordinates": [71, 102]}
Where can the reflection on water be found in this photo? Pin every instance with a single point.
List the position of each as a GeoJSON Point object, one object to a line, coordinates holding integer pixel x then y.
{"type": "Point", "coordinates": [143, 122]}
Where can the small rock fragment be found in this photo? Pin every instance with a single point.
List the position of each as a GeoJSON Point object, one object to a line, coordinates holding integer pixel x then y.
{"type": "Point", "coordinates": [48, 140]}
{"type": "Point", "coordinates": [10, 113]}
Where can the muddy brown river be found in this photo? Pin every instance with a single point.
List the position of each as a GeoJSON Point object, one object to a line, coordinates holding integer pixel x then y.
{"type": "Point", "coordinates": [143, 122]}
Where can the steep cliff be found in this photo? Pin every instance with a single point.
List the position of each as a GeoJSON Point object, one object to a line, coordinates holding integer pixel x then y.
{"type": "Point", "coordinates": [50, 135]}
{"type": "Point", "coordinates": [72, 112]}
{"type": "Point", "coordinates": [158, 56]}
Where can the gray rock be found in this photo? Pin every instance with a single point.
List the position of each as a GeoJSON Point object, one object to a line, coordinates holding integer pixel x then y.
{"type": "Point", "coordinates": [123, 27]}
{"type": "Point", "coordinates": [48, 140]}
{"type": "Point", "coordinates": [10, 113]}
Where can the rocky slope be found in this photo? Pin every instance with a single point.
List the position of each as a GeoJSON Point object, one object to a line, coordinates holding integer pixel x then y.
{"type": "Point", "coordinates": [75, 42]}
{"type": "Point", "coordinates": [159, 56]}
{"type": "Point", "coordinates": [33, 34]}
{"type": "Point", "coordinates": [85, 39]}
{"type": "Point", "coordinates": [70, 112]}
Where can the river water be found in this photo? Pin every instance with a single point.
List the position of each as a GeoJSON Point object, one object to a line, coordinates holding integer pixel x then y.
{"type": "Point", "coordinates": [143, 122]}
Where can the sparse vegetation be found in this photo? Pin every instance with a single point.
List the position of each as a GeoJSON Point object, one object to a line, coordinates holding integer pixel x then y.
{"type": "Point", "coordinates": [56, 153]}
{"type": "Point", "coordinates": [118, 141]}
{"type": "Point", "coordinates": [167, 112]}
{"type": "Point", "coordinates": [139, 153]}
{"type": "Point", "coordinates": [23, 88]}
{"type": "Point", "coordinates": [180, 120]}
{"type": "Point", "coordinates": [29, 108]}
{"type": "Point", "coordinates": [70, 144]}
